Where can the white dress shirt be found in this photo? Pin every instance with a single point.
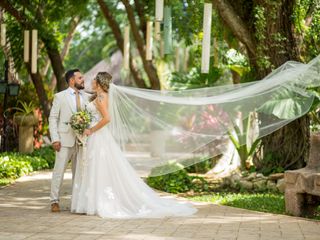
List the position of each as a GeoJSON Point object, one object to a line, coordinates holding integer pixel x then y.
{"type": "Point", "coordinates": [73, 97]}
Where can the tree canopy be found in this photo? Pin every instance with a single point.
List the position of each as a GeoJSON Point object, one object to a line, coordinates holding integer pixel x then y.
{"type": "Point", "coordinates": [248, 40]}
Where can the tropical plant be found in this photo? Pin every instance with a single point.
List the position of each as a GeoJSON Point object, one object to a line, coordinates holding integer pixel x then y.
{"type": "Point", "coordinates": [25, 109]}
{"type": "Point", "coordinates": [285, 104]}
{"type": "Point", "coordinates": [25, 113]}
{"type": "Point", "coordinates": [314, 112]}
{"type": "Point", "coordinates": [194, 79]}
{"type": "Point", "coordinates": [245, 139]}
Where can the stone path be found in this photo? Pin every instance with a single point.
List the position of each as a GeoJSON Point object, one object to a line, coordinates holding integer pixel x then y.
{"type": "Point", "coordinates": [24, 214]}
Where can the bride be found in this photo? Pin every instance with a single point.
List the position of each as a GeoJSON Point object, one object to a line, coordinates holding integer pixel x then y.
{"type": "Point", "coordinates": [105, 183]}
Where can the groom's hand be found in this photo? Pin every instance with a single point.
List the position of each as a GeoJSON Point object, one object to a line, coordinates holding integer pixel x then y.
{"type": "Point", "coordinates": [56, 146]}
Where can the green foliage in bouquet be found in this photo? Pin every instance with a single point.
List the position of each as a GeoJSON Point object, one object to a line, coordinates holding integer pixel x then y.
{"type": "Point", "coordinates": [80, 121]}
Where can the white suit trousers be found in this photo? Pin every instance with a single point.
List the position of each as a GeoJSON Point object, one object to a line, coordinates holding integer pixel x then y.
{"type": "Point", "coordinates": [62, 158]}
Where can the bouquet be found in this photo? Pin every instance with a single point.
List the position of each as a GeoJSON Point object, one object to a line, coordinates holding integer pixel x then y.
{"type": "Point", "coordinates": [79, 122]}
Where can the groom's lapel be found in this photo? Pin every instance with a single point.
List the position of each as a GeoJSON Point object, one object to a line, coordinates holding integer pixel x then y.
{"type": "Point", "coordinates": [69, 100]}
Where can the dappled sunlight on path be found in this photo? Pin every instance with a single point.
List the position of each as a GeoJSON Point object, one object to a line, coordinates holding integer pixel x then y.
{"type": "Point", "coordinates": [24, 214]}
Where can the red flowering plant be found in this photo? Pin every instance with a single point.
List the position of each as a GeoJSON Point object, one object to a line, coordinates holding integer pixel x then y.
{"type": "Point", "coordinates": [40, 130]}
{"type": "Point", "coordinates": [208, 122]}
{"type": "Point", "coordinates": [242, 131]}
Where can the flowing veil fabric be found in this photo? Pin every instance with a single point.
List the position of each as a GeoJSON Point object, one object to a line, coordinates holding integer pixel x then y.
{"type": "Point", "coordinates": [158, 128]}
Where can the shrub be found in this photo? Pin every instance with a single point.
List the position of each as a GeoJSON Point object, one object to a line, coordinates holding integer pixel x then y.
{"type": "Point", "coordinates": [177, 181]}
{"type": "Point", "coordinates": [13, 168]}
{"type": "Point", "coordinates": [203, 165]}
{"type": "Point", "coordinates": [46, 153]}
{"type": "Point", "coordinates": [271, 163]}
{"type": "Point", "coordinates": [14, 165]}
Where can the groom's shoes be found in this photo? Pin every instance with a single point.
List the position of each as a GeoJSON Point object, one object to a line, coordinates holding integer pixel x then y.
{"type": "Point", "coordinates": [55, 207]}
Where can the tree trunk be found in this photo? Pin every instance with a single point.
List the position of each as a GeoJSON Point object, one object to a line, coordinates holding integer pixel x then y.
{"type": "Point", "coordinates": [41, 92]}
{"type": "Point", "coordinates": [235, 23]}
{"type": "Point", "coordinates": [45, 36]}
{"type": "Point", "coordinates": [57, 66]}
{"type": "Point", "coordinates": [36, 78]}
{"type": "Point", "coordinates": [266, 28]}
{"type": "Point", "coordinates": [290, 143]}
{"type": "Point", "coordinates": [148, 66]}
{"type": "Point", "coordinates": [118, 36]}
{"type": "Point", "coordinates": [143, 23]}
{"type": "Point", "coordinates": [67, 41]}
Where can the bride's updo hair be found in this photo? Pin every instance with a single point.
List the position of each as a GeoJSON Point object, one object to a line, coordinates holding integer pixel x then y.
{"type": "Point", "coordinates": [104, 79]}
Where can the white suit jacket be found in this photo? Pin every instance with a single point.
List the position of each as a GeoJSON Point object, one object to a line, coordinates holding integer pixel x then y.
{"type": "Point", "coordinates": [63, 107]}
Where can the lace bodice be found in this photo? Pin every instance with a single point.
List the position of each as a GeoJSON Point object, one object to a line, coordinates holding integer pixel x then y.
{"type": "Point", "coordinates": [96, 116]}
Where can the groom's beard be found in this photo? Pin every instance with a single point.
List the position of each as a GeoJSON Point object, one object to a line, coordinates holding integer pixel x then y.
{"type": "Point", "coordinates": [79, 86]}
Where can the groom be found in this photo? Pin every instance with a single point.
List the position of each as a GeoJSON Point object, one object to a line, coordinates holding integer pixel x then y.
{"type": "Point", "coordinates": [65, 103]}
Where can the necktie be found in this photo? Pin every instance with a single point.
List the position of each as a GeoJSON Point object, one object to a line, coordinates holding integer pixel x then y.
{"type": "Point", "coordinates": [78, 101]}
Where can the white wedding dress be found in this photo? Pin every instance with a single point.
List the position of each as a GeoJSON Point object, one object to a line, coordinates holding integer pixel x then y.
{"type": "Point", "coordinates": [106, 184]}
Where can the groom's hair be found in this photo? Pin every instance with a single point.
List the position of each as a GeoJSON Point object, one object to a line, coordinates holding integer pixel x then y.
{"type": "Point", "coordinates": [70, 73]}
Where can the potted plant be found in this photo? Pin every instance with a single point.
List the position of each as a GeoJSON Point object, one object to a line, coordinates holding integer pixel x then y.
{"type": "Point", "coordinates": [26, 119]}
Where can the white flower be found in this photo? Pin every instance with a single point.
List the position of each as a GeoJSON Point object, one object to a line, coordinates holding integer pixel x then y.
{"type": "Point", "coordinates": [144, 210]}
{"type": "Point", "coordinates": [109, 193]}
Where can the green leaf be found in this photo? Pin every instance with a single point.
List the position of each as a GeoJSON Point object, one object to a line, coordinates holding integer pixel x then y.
{"type": "Point", "coordinates": [285, 105]}
{"type": "Point", "coordinates": [254, 147]}
{"type": "Point", "coordinates": [234, 140]}
{"type": "Point", "coordinates": [239, 69]}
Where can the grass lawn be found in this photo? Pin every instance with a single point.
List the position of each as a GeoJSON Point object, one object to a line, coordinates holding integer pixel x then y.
{"type": "Point", "coordinates": [263, 202]}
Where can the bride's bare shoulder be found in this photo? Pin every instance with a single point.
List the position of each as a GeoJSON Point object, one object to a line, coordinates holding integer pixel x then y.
{"type": "Point", "coordinates": [102, 98]}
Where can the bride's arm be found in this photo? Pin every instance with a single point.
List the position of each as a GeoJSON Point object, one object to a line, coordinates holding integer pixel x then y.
{"type": "Point", "coordinates": [102, 106]}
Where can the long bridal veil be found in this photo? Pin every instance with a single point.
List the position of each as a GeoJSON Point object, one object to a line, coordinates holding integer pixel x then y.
{"type": "Point", "coordinates": [157, 128]}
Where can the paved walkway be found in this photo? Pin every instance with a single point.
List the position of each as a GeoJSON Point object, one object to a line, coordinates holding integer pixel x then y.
{"type": "Point", "coordinates": [24, 214]}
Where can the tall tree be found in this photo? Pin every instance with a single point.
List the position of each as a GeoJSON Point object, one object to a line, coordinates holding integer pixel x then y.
{"type": "Point", "coordinates": [140, 43]}
{"type": "Point", "coordinates": [46, 36]}
{"type": "Point", "coordinates": [45, 16]}
{"type": "Point", "coordinates": [66, 46]}
{"type": "Point", "coordinates": [11, 51]}
{"type": "Point", "coordinates": [139, 6]}
{"type": "Point", "coordinates": [118, 36]}
{"type": "Point", "coordinates": [266, 28]}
